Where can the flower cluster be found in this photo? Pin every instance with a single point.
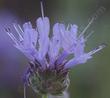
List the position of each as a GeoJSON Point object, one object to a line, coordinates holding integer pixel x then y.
{"type": "Point", "coordinates": [48, 55]}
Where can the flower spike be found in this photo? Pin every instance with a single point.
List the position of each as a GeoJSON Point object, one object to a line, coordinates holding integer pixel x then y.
{"type": "Point", "coordinates": [51, 58]}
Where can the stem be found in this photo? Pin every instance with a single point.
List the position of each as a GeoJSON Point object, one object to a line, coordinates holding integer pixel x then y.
{"type": "Point", "coordinates": [45, 96]}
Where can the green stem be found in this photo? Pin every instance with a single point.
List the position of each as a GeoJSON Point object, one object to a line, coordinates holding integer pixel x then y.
{"type": "Point", "coordinates": [45, 96]}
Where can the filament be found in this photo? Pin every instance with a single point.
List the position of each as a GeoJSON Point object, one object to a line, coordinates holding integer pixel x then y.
{"type": "Point", "coordinates": [82, 33]}
{"type": "Point", "coordinates": [42, 9]}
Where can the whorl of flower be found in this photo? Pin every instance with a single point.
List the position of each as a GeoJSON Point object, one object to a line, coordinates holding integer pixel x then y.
{"type": "Point", "coordinates": [48, 56]}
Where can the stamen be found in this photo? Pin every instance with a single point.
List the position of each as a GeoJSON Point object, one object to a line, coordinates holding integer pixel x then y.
{"type": "Point", "coordinates": [16, 28]}
{"type": "Point", "coordinates": [89, 35]}
{"type": "Point", "coordinates": [11, 36]}
{"type": "Point", "coordinates": [68, 27]}
{"type": "Point", "coordinates": [14, 39]}
{"type": "Point", "coordinates": [20, 28]}
{"type": "Point", "coordinates": [42, 10]}
{"type": "Point", "coordinates": [82, 33]}
{"type": "Point", "coordinates": [97, 49]}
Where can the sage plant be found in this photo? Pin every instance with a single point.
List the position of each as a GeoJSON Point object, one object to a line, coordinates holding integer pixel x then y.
{"type": "Point", "coordinates": [48, 55]}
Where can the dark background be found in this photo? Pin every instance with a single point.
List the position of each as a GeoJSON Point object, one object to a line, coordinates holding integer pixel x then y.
{"type": "Point", "coordinates": [90, 80]}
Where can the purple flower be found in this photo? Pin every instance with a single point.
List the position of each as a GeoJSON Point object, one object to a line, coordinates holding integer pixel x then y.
{"type": "Point", "coordinates": [49, 66]}
{"type": "Point", "coordinates": [35, 43]}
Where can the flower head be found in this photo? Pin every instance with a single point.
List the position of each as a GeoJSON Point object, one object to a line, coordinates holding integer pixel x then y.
{"type": "Point", "coordinates": [49, 66]}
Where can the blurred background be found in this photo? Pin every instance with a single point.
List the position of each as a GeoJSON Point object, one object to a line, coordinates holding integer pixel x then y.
{"type": "Point", "coordinates": [90, 80]}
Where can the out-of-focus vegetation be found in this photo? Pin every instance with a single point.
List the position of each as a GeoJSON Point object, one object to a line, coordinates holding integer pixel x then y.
{"type": "Point", "coordinates": [90, 80]}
